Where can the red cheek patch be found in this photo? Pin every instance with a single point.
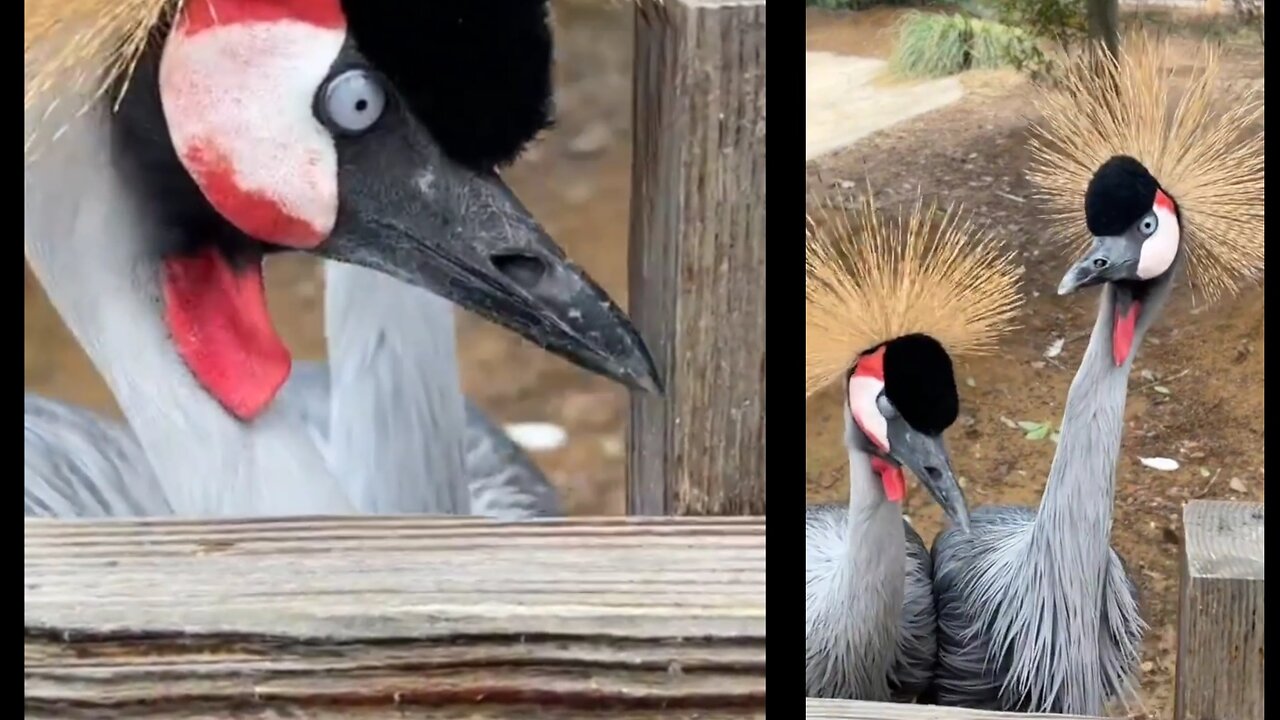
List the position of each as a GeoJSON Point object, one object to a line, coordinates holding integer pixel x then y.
{"type": "Point", "coordinates": [253, 213]}
{"type": "Point", "coordinates": [1164, 202]}
{"type": "Point", "coordinates": [217, 316]}
{"type": "Point", "coordinates": [200, 15]}
{"type": "Point", "coordinates": [871, 365]}
{"type": "Point", "coordinates": [1125, 325]}
{"type": "Point", "coordinates": [895, 485]}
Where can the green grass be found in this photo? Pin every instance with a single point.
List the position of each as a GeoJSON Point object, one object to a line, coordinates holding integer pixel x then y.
{"type": "Point", "coordinates": [937, 45]}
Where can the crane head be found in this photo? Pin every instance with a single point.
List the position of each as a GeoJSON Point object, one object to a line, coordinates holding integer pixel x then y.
{"type": "Point", "coordinates": [1137, 234]}
{"type": "Point", "coordinates": [901, 397]}
{"type": "Point", "coordinates": [369, 132]}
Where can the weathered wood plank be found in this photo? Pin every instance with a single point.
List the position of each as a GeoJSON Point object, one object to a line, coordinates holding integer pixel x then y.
{"type": "Point", "coordinates": [697, 257]}
{"type": "Point", "coordinates": [1221, 618]}
{"type": "Point", "coordinates": [815, 709]}
{"type": "Point", "coordinates": [313, 616]}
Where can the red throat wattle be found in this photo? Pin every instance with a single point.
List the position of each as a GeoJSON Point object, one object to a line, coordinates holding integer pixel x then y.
{"type": "Point", "coordinates": [218, 318]}
{"type": "Point", "coordinates": [1124, 327]}
{"type": "Point", "coordinates": [895, 485]}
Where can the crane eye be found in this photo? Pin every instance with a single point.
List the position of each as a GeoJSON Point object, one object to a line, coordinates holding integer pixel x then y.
{"type": "Point", "coordinates": [353, 101]}
{"type": "Point", "coordinates": [885, 407]}
{"type": "Point", "coordinates": [1149, 224]}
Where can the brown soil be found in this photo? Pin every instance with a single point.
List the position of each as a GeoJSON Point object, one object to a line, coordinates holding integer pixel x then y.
{"type": "Point", "coordinates": [1209, 360]}
{"type": "Point", "coordinates": [576, 180]}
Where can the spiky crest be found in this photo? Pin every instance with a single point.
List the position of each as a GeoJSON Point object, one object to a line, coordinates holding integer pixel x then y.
{"type": "Point", "coordinates": [870, 278]}
{"type": "Point", "coordinates": [1206, 151]}
{"type": "Point", "coordinates": [84, 45]}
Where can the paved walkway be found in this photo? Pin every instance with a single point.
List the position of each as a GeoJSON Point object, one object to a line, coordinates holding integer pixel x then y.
{"type": "Point", "coordinates": [842, 105]}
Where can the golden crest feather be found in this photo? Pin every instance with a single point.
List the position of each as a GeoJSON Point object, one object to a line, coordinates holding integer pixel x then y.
{"type": "Point", "coordinates": [872, 278]}
{"type": "Point", "coordinates": [84, 46]}
{"type": "Point", "coordinates": [1206, 151]}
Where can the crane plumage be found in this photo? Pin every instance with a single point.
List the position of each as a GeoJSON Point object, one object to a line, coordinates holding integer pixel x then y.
{"type": "Point", "coordinates": [1036, 611]}
{"type": "Point", "coordinates": [881, 293]}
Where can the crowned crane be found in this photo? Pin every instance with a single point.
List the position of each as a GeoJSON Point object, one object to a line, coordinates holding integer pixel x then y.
{"type": "Point", "coordinates": [171, 145]}
{"type": "Point", "coordinates": [888, 304]}
{"type": "Point", "coordinates": [1036, 611]}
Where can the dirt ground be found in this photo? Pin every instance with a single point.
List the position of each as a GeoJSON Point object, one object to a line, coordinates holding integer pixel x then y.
{"type": "Point", "coordinates": [576, 180]}
{"type": "Point", "coordinates": [1196, 392]}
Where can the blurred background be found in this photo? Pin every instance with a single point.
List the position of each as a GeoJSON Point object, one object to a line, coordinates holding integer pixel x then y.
{"type": "Point", "coordinates": [936, 97]}
{"type": "Point", "coordinates": [576, 180]}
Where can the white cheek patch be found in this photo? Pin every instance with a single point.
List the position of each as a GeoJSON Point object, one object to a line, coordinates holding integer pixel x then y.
{"type": "Point", "coordinates": [1158, 251]}
{"type": "Point", "coordinates": [238, 101]}
{"type": "Point", "coordinates": [863, 392]}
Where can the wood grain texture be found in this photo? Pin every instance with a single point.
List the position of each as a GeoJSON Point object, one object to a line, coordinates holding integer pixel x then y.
{"type": "Point", "coordinates": [861, 710]}
{"type": "Point", "coordinates": [697, 257]}
{"type": "Point", "coordinates": [1221, 619]}
{"type": "Point", "coordinates": [327, 617]}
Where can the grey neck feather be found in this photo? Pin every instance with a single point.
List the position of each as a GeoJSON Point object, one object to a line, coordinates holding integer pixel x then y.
{"type": "Point", "coordinates": [397, 414]}
{"type": "Point", "coordinates": [1076, 509]}
{"type": "Point", "coordinates": [82, 230]}
{"type": "Point", "coordinates": [868, 590]}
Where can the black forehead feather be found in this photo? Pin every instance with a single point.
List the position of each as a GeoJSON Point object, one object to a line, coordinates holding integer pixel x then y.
{"type": "Point", "coordinates": [1121, 191]}
{"type": "Point", "coordinates": [921, 383]}
{"type": "Point", "coordinates": [476, 73]}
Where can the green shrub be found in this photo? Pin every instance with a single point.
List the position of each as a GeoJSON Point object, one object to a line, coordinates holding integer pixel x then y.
{"type": "Point", "coordinates": [862, 4]}
{"type": "Point", "coordinates": [1061, 21]}
{"type": "Point", "coordinates": [935, 45]}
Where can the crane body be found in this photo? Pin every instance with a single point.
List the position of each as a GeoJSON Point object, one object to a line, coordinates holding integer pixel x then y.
{"type": "Point", "coordinates": [870, 620]}
{"type": "Point", "coordinates": [1037, 612]}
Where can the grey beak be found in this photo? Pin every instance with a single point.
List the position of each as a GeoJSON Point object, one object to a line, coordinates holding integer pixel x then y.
{"type": "Point", "coordinates": [462, 234]}
{"type": "Point", "coordinates": [927, 458]}
{"type": "Point", "coordinates": [1108, 260]}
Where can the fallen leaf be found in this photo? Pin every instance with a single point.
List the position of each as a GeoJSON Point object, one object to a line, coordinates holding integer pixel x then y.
{"type": "Point", "coordinates": [1161, 389]}
{"type": "Point", "coordinates": [1238, 485]}
{"type": "Point", "coordinates": [1160, 463]}
{"type": "Point", "coordinates": [1055, 348]}
{"type": "Point", "coordinates": [1039, 433]}
{"type": "Point", "coordinates": [1029, 425]}
{"type": "Point", "coordinates": [1009, 422]}
{"type": "Point", "coordinates": [1204, 472]}
{"type": "Point", "coordinates": [970, 382]}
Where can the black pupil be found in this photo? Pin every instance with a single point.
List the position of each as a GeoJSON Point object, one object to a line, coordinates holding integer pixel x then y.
{"type": "Point", "coordinates": [362, 105]}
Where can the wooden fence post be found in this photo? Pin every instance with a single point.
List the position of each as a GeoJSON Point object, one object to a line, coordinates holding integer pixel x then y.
{"type": "Point", "coordinates": [1221, 617]}
{"type": "Point", "coordinates": [697, 256]}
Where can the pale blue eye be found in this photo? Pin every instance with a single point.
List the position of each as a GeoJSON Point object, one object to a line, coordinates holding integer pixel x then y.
{"type": "Point", "coordinates": [1149, 224]}
{"type": "Point", "coordinates": [354, 101]}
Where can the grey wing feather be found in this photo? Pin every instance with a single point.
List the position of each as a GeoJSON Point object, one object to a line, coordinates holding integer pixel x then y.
{"type": "Point", "coordinates": [964, 677]}
{"type": "Point", "coordinates": [505, 483]}
{"type": "Point", "coordinates": [913, 669]}
{"type": "Point", "coordinates": [78, 464]}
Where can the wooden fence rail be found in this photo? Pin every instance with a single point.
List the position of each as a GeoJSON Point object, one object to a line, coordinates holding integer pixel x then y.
{"type": "Point", "coordinates": [369, 617]}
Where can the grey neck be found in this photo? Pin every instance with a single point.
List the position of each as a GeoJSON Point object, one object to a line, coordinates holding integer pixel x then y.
{"type": "Point", "coordinates": [397, 414]}
{"type": "Point", "coordinates": [1076, 510]}
{"type": "Point", "coordinates": [875, 530]}
{"type": "Point", "coordinates": [83, 231]}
